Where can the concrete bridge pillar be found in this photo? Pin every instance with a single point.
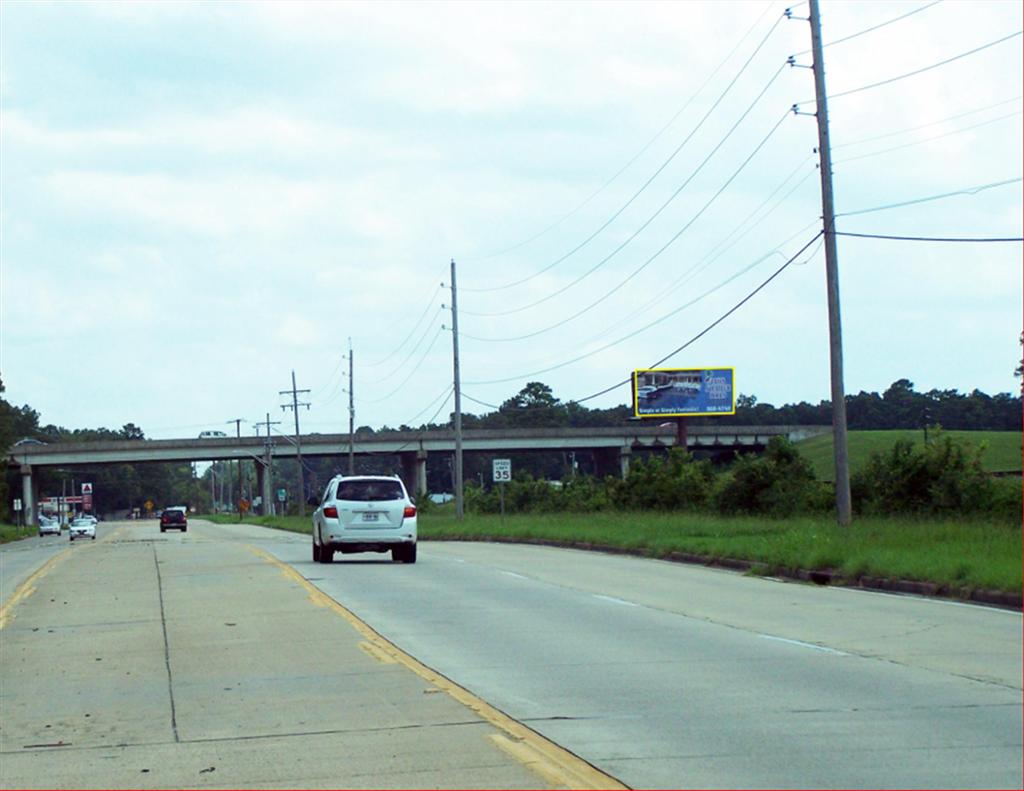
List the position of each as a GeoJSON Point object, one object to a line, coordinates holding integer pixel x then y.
{"type": "Point", "coordinates": [625, 452]}
{"type": "Point", "coordinates": [28, 500]}
{"type": "Point", "coordinates": [421, 473]}
{"type": "Point", "coordinates": [411, 471]}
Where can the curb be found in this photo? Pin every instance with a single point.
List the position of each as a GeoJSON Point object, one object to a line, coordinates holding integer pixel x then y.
{"type": "Point", "coordinates": [992, 598]}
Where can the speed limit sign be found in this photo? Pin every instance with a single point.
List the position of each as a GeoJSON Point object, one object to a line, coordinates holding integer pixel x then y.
{"type": "Point", "coordinates": [502, 470]}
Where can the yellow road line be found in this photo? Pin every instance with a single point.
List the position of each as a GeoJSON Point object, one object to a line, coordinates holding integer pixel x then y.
{"type": "Point", "coordinates": [27, 588]}
{"type": "Point", "coordinates": [553, 762]}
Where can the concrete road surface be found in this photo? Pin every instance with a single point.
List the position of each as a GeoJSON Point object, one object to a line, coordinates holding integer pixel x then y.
{"type": "Point", "coordinates": [149, 660]}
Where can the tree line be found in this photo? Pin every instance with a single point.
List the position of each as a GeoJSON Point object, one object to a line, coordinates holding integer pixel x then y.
{"type": "Point", "coordinates": [123, 486]}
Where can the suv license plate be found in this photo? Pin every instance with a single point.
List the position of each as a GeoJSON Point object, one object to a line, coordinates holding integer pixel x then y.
{"type": "Point", "coordinates": [370, 516]}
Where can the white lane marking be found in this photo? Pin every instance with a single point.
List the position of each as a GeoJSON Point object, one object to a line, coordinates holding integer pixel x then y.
{"type": "Point", "coordinates": [801, 643]}
{"type": "Point", "coordinates": [513, 574]}
{"type": "Point", "coordinates": [613, 600]}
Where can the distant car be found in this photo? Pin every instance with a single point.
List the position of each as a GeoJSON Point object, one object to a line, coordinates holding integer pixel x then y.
{"type": "Point", "coordinates": [82, 527]}
{"type": "Point", "coordinates": [365, 513]}
{"type": "Point", "coordinates": [29, 441]}
{"type": "Point", "coordinates": [211, 434]}
{"type": "Point", "coordinates": [175, 518]}
{"type": "Point", "coordinates": [48, 526]}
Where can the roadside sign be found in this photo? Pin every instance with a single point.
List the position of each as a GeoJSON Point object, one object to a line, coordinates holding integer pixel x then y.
{"type": "Point", "coordinates": [17, 504]}
{"type": "Point", "coordinates": [501, 470]}
{"type": "Point", "coordinates": [86, 488]}
{"type": "Point", "coordinates": [681, 392]}
{"type": "Point", "coordinates": [86, 496]}
{"type": "Point", "coordinates": [282, 495]}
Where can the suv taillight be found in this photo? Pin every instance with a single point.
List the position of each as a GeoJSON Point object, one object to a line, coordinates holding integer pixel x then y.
{"type": "Point", "coordinates": [410, 510]}
{"type": "Point", "coordinates": [331, 512]}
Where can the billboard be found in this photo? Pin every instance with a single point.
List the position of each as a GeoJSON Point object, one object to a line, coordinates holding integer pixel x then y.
{"type": "Point", "coordinates": [683, 392]}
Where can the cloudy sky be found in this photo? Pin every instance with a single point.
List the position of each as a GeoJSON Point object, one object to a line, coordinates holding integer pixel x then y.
{"type": "Point", "coordinates": [200, 198]}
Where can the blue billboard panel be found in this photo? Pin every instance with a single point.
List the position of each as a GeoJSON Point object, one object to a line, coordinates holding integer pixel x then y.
{"type": "Point", "coordinates": [681, 392]}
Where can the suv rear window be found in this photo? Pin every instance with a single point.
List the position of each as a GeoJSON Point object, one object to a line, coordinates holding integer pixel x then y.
{"type": "Point", "coordinates": [370, 491]}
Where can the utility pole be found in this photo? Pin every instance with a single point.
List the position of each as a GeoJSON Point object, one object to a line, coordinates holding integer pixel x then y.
{"type": "Point", "coordinates": [844, 510]}
{"type": "Point", "coordinates": [294, 406]}
{"type": "Point", "coordinates": [268, 460]}
{"type": "Point", "coordinates": [238, 434]}
{"type": "Point", "coordinates": [458, 398]}
{"type": "Point", "coordinates": [351, 414]}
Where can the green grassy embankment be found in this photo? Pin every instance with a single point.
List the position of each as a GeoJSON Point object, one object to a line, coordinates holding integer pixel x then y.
{"type": "Point", "coordinates": [963, 553]}
{"type": "Point", "coordinates": [1001, 449]}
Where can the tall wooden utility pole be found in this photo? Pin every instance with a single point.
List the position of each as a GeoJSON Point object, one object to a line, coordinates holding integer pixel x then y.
{"type": "Point", "coordinates": [351, 415]}
{"type": "Point", "coordinates": [238, 435]}
{"type": "Point", "coordinates": [294, 406]}
{"type": "Point", "coordinates": [844, 510]}
{"type": "Point", "coordinates": [458, 398]}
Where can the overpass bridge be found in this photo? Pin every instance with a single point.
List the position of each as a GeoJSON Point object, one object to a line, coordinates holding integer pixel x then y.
{"type": "Point", "coordinates": [612, 448]}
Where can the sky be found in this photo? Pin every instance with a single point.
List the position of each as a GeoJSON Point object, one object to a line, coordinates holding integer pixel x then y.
{"type": "Point", "coordinates": [199, 199]}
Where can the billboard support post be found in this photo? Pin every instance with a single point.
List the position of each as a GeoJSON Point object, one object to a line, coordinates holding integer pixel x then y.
{"type": "Point", "coordinates": [681, 435]}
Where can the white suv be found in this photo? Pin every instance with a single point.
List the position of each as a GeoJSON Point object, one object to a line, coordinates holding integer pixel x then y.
{"type": "Point", "coordinates": [365, 513]}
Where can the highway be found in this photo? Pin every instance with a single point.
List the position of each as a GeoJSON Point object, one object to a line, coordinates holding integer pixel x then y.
{"type": "Point", "coordinates": [658, 675]}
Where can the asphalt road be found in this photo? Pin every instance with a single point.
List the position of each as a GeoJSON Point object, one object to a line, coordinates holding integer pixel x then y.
{"type": "Point", "coordinates": [661, 675]}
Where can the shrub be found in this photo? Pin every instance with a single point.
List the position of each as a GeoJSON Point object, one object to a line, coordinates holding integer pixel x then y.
{"type": "Point", "coordinates": [673, 482]}
{"type": "Point", "coordinates": [940, 476]}
{"type": "Point", "coordinates": [779, 483]}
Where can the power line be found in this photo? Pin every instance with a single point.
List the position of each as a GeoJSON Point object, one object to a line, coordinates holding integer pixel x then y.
{"type": "Point", "coordinates": [711, 326]}
{"type": "Point", "coordinates": [648, 326]}
{"type": "Point", "coordinates": [927, 139]}
{"type": "Point", "coordinates": [925, 126]}
{"type": "Point", "coordinates": [657, 213]}
{"type": "Point", "coordinates": [626, 205]}
{"type": "Point", "coordinates": [664, 247]}
{"type": "Point", "coordinates": [966, 191]}
{"type": "Point", "coordinates": [411, 332]}
{"type": "Point", "coordinates": [640, 153]}
{"type": "Point", "coordinates": [974, 239]}
{"type": "Point", "coordinates": [920, 71]}
{"type": "Point", "coordinates": [411, 372]}
{"type": "Point", "coordinates": [876, 27]}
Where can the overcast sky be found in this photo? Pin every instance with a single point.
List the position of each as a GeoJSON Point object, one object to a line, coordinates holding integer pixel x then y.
{"type": "Point", "coordinates": [200, 198]}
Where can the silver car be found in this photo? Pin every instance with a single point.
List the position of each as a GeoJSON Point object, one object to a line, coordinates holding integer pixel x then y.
{"type": "Point", "coordinates": [365, 513]}
{"type": "Point", "coordinates": [83, 527]}
{"type": "Point", "coordinates": [48, 525]}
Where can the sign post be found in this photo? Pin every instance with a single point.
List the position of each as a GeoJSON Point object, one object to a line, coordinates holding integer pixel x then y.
{"type": "Point", "coordinates": [501, 472]}
{"type": "Point", "coordinates": [17, 508]}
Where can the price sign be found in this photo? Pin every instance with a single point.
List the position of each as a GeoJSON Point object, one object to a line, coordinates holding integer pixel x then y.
{"type": "Point", "coordinates": [501, 470]}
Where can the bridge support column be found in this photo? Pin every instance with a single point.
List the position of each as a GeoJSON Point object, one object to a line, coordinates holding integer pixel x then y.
{"type": "Point", "coordinates": [624, 454]}
{"type": "Point", "coordinates": [421, 473]}
{"type": "Point", "coordinates": [28, 500]}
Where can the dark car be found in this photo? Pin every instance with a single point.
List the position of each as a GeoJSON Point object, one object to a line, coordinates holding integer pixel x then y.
{"type": "Point", "coordinates": [173, 518]}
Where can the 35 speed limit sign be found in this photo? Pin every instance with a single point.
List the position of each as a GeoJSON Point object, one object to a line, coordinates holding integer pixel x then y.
{"type": "Point", "coordinates": [502, 470]}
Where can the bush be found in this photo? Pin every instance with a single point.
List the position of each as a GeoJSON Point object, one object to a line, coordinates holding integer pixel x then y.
{"type": "Point", "coordinates": [673, 482]}
{"type": "Point", "coordinates": [780, 483]}
{"type": "Point", "coordinates": [941, 476]}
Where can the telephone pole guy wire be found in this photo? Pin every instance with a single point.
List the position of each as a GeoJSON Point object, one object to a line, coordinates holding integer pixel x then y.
{"type": "Point", "coordinates": [844, 513]}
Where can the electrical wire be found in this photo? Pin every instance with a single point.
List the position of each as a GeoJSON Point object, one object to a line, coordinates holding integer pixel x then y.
{"type": "Point", "coordinates": [918, 71]}
{"type": "Point", "coordinates": [411, 332]}
{"type": "Point", "coordinates": [411, 372]}
{"type": "Point", "coordinates": [973, 239]}
{"type": "Point", "coordinates": [398, 368]}
{"type": "Point", "coordinates": [661, 250]}
{"type": "Point", "coordinates": [710, 327]}
{"type": "Point", "coordinates": [966, 191]}
{"type": "Point", "coordinates": [657, 213]}
{"type": "Point", "coordinates": [876, 27]}
{"type": "Point", "coordinates": [925, 126]}
{"type": "Point", "coordinates": [653, 323]}
{"type": "Point", "coordinates": [927, 139]}
{"type": "Point", "coordinates": [665, 164]}
{"type": "Point", "coordinates": [640, 153]}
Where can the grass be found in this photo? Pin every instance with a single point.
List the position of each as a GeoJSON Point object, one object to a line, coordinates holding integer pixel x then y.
{"type": "Point", "coordinates": [10, 532]}
{"type": "Point", "coordinates": [973, 553]}
{"type": "Point", "coordinates": [1002, 449]}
